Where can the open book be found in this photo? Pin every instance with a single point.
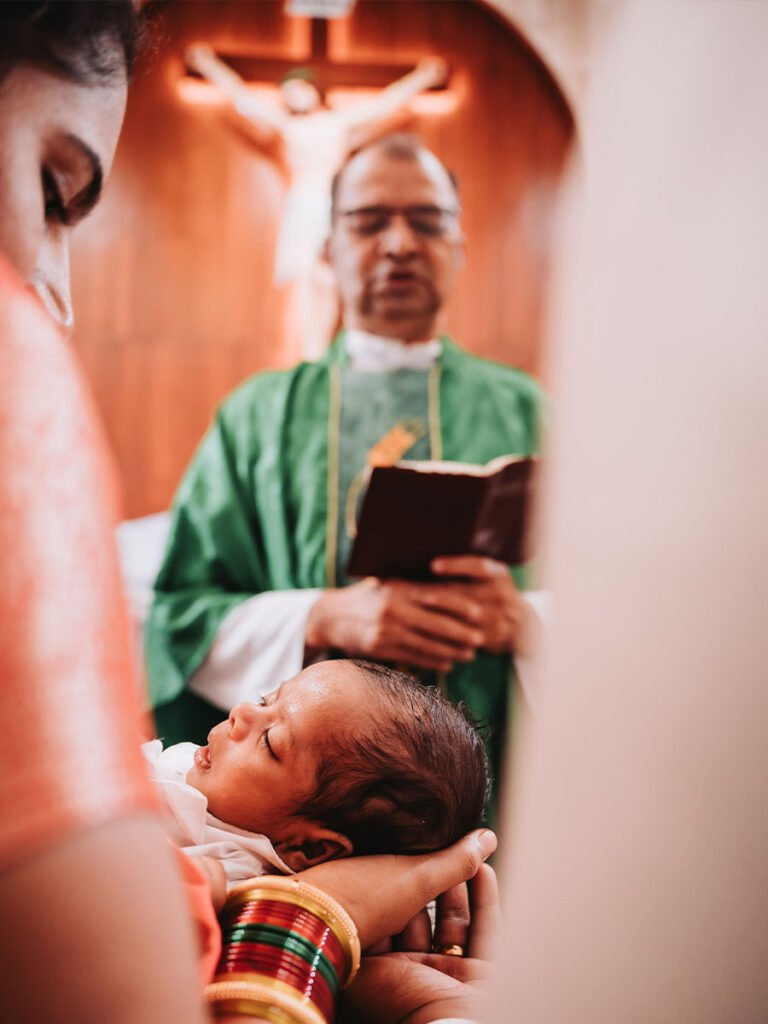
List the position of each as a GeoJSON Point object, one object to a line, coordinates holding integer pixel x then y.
{"type": "Point", "coordinates": [414, 511]}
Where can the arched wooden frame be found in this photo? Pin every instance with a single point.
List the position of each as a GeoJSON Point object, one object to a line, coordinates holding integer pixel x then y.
{"type": "Point", "coordinates": [172, 278]}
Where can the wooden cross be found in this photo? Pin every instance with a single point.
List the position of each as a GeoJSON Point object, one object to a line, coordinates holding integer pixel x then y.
{"type": "Point", "coordinates": [331, 74]}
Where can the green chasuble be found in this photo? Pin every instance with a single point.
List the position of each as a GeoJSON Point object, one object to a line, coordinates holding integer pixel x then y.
{"type": "Point", "coordinates": [261, 505]}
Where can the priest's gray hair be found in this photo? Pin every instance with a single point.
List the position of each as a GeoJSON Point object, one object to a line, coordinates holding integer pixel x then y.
{"type": "Point", "coordinates": [396, 145]}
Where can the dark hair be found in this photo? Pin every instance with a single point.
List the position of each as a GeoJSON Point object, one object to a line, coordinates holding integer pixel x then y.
{"type": "Point", "coordinates": [398, 146]}
{"type": "Point", "coordinates": [89, 41]}
{"type": "Point", "coordinates": [416, 782]}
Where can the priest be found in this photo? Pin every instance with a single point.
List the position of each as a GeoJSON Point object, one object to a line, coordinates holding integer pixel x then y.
{"type": "Point", "coordinates": [253, 582]}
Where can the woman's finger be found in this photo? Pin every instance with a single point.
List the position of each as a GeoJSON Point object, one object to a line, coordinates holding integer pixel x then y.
{"type": "Point", "coordinates": [416, 937]}
{"type": "Point", "coordinates": [485, 914]}
{"type": "Point", "coordinates": [452, 919]}
{"type": "Point", "coordinates": [385, 946]}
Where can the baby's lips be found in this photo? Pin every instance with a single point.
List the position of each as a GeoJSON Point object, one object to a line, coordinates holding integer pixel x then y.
{"type": "Point", "coordinates": [203, 757]}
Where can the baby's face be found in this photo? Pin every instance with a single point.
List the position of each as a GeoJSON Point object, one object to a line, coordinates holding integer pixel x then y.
{"type": "Point", "coordinates": [262, 763]}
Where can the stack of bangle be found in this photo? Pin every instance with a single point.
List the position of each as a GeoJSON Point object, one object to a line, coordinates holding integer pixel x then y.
{"type": "Point", "coordinates": [287, 949]}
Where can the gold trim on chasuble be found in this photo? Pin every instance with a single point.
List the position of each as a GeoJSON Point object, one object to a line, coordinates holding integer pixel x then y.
{"type": "Point", "coordinates": [433, 411]}
{"type": "Point", "coordinates": [334, 424]}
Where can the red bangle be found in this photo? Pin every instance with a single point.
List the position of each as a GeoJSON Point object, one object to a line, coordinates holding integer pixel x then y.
{"type": "Point", "coordinates": [286, 940]}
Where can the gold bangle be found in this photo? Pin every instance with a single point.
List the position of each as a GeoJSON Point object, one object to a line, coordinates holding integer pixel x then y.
{"type": "Point", "coordinates": [302, 894]}
{"type": "Point", "coordinates": [227, 1007]}
{"type": "Point", "coordinates": [265, 996]}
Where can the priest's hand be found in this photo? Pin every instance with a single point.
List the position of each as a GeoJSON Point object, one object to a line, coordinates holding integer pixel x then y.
{"type": "Point", "coordinates": [426, 625]}
{"type": "Point", "coordinates": [508, 623]}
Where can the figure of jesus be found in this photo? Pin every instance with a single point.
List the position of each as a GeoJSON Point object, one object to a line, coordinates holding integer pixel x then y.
{"type": "Point", "coordinates": [315, 140]}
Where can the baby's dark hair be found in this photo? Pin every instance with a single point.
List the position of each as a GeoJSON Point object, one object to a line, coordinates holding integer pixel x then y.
{"type": "Point", "coordinates": [416, 781]}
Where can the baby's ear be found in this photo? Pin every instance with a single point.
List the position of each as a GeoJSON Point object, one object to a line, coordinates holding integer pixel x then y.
{"type": "Point", "coordinates": [312, 844]}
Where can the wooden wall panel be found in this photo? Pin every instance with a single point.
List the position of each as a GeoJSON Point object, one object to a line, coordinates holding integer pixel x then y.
{"type": "Point", "coordinates": [172, 276]}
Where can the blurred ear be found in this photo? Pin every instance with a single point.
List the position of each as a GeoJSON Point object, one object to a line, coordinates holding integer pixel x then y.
{"type": "Point", "coordinates": [309, 844]}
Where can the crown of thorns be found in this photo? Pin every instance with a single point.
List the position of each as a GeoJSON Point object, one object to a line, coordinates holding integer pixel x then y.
{"type": "Point", "coordinates": [302, 74]}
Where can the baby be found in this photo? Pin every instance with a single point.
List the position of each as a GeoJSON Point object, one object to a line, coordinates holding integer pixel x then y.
{"type": "Point", "coordinates": [348, 757]}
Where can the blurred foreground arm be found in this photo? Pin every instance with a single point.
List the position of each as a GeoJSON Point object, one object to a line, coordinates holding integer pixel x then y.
{"type": "Point", "coordinates": [94, 923]}
{"type": "Point", "coordinates": [97, 929]}
{"type": "Point", "coordinates": [635, 881]}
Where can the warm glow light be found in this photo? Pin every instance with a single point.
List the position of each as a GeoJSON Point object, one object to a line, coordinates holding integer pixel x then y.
{"type": "Point", "coordinates": [431, 103]}
{"type": "Point", "coordinates": [196, 91]}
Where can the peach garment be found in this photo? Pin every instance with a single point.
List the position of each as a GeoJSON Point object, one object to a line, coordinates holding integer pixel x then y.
{"type": "Point", "coordinates": [68, 697]}
{"type": "Point", "coordinates": [636, 852]}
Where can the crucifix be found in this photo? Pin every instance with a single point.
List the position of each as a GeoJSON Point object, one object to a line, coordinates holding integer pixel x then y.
{"type": "Point", "coordinates": [315, 140]}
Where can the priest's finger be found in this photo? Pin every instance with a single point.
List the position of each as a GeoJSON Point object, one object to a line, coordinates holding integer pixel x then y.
{"type": "Point", "coordinates": [415, 649]}
{"type": "Point", "coordinates": [414, 657]}
{"type": "Point", "coordinates": [445, 628]}
{"type": "Point", "coordinates": [454, 599]}
{"type": "Point", "coordinates": [473, 567]}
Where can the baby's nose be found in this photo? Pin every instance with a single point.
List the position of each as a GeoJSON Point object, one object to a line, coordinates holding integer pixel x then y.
{"type": "Point", "coordinates": [242, 717]}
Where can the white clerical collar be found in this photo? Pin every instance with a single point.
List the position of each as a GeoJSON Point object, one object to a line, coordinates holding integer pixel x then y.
{"type": "Point", "coordinates": [369, 352]}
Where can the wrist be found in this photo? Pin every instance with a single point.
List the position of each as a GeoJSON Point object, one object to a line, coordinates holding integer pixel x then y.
{"type": "Point", "coordinates": [317, 632]}
{"type": "Point", "coordinates": [287, 948]}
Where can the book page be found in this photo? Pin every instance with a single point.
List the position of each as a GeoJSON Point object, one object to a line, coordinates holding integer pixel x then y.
{"type": "Point", "coordinates": [459, 468]}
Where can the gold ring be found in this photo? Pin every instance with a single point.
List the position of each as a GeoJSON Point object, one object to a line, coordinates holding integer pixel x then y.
{"type": "Point", "coordinates": [449, 949]}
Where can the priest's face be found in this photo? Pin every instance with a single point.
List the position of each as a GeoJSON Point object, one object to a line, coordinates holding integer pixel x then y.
{"type": "Point", "coordinates": [396, 245]}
